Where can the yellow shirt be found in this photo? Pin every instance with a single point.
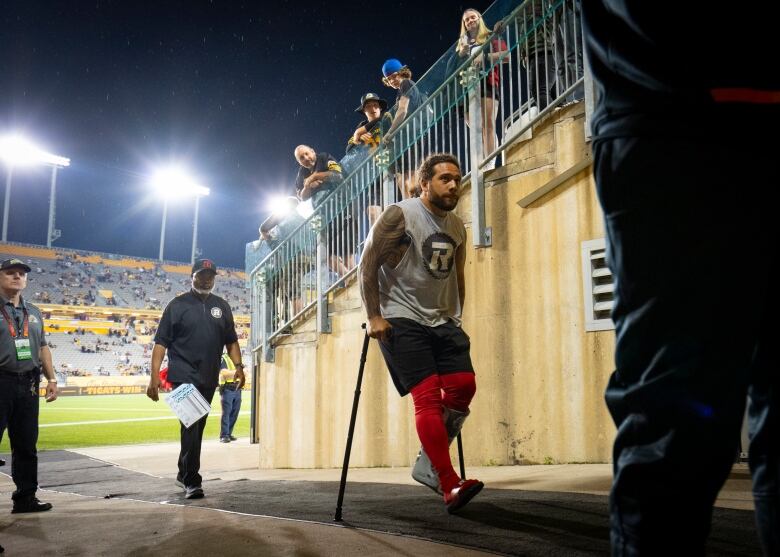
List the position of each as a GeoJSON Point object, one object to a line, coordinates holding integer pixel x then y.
{"type": "Point", "coordinates": [227, 375]}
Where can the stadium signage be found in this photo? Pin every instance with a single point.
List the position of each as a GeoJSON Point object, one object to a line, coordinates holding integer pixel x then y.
{"type": "Point", "coordinates": [98, 390]}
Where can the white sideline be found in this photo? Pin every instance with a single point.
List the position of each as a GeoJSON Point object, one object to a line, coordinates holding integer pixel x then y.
{"type": "Point", "coordinates": [101, 409]}
{"type": "Point", "coordinates": [126, 420]}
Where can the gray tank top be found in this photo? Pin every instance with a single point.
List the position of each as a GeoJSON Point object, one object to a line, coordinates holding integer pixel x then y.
{"type": "Point", "coordinates": [424, 285]}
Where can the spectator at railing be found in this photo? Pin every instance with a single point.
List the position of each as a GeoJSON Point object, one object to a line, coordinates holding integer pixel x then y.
{"type": "Point", "coordinates": [473, 39]}
{"type": "Point", "coordinates": [276, 228]}
{"type": "Point", "coordinates": [280, 224]}
{"type": "Point", "coordinates": [319, 174]}
{"type": "Point", "coordinates": [537, 39]}
{"type": "Point", "coordinates": [370, 131]}
{"type": "Point", "coordinates": [364, 141]}
{"type": "Point", "coordinates": [568, 49]}
{"type": "Point", "coordinates": [408, 99]}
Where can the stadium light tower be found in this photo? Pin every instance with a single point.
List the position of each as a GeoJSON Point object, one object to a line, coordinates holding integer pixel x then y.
{"type": "Point", "coordinates": [18, 151]}
{"type": "Point", "coordinates": [171, 183]}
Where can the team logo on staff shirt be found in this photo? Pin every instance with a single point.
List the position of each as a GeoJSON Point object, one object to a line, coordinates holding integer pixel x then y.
{"type": "Point", "coordinates": [439, 255]}
{"type": "Point", "coordinates": [216, 313]}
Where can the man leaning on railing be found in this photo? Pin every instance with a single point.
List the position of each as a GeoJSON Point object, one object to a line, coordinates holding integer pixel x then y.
{"type": "Point", "coordinates": [318, 176]}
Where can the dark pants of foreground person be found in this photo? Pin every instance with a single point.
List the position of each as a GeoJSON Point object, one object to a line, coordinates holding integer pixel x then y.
{"type": "Point", "coordinates": [191, 438]}
{"type": "Point", "coordinates": [19, 403]}
{"type": "Point", "coordinates": [693, 246]}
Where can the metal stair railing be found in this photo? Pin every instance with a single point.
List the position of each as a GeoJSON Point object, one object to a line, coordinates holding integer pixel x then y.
{"type": "Point", "coordinates": [528, 67]}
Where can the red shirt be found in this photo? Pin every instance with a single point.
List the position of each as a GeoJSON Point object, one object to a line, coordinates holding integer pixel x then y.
{"type": "Point", "coordinates": [165, 385]}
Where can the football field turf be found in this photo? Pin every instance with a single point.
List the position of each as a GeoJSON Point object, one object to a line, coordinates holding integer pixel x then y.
{"type": "Point", "coordinates": [87, 421]}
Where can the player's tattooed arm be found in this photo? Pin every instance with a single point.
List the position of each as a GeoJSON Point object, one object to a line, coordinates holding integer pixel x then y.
{"type": "Point", "coordinates": [384, 246]}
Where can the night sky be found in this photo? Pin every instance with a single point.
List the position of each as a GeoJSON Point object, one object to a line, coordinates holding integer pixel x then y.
{"type": "Point", "coordinates": [226, 88]}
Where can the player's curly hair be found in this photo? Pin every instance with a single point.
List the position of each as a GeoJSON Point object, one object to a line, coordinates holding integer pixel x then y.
{"type": "Point", "coordinates": [425, 172]}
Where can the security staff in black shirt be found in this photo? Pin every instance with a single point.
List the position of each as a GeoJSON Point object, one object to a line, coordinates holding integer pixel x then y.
{"type": "Point", "coordinates": [194, 329]}
{"type": "Point", "coordinates": [23, 355]}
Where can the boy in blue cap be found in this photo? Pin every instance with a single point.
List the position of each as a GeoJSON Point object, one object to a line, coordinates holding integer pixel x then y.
{"type": "Point", "coordinates": [408, 99]}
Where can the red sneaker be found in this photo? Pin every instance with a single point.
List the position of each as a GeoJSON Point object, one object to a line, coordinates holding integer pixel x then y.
{"type": "Point", "coordinates": [462, 494]}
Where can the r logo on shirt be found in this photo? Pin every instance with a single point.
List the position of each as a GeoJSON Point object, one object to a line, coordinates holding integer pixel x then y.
{"type": "Point", "coordinates": [216, 313]}
{"type": "Point", "coordinates": [439, 255]}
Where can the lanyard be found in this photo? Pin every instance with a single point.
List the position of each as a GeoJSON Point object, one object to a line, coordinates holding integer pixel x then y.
{"type": "Point", "coordinates": [12, 329]}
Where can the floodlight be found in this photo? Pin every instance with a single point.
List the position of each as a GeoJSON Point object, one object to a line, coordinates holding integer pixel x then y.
{"type": "Point", "coordinates": [305, 209]}
{"type": "Point", "coordinates": [175, 182]}
{"type": "Point", "coordinates": [281, 206]}
{"type": "Point", "coordinates": [172, 182]}
{"type": "Point", "coordinates": [15, 150]}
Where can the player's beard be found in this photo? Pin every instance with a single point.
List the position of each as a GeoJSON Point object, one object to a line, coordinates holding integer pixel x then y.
{"type": "Point", "coordinates": [445, 203]}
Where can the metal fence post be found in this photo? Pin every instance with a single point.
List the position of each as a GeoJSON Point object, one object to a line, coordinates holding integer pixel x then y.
{"type": "Point", "coordinates": [590, 96]}
{"type": "Point", "coordinates": [266, 315]}
{"type": "Point", "coordinates": [254, 435]}
{"type": "Point", "coordinates": [382, 161]}
{"type": "Point", "coordinates": [482, 236]}
{"type": "Point", "coordinates": [388, 188]}
{"type": "Point", "coordinates": [322, 270]}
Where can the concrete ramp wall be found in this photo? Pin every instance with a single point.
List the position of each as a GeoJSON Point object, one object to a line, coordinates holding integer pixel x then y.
{"type": "Point", "coordinates": [540, 375]}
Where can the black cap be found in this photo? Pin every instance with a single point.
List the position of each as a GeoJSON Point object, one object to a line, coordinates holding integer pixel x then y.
{"type": "Point", "coordinates": [14, 264]}
{"type": "Point", "coordinates": [203, 265]}
{"type": "Point", "coordinates": [371, 97]}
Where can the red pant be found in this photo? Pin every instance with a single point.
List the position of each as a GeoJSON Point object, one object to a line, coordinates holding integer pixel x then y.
{"type": "Point", "coordinates": [431, 396]}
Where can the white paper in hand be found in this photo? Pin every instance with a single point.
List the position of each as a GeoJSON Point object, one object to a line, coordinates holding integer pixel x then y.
{"type": "Point", "coordinates": [188, 404]}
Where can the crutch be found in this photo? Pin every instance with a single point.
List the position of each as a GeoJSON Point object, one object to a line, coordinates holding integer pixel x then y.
{"type": "Point", "coordinates": [460, 458]}
{"type": "Point", "coordinates": [348, 449]}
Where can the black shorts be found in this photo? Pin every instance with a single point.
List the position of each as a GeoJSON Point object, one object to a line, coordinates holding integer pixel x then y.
{"type": "Point", "coordinates": [415, 351]}
{"type": "Point", "coordinates": [488, 90]}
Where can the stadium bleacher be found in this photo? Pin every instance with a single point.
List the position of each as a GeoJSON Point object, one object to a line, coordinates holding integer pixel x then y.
{"type": "Point", "coordinates": [101, 310]}
{"type": "Point", "coordinates": [88, 353]}
{"type": "Point", "coordinates": [77, 278]}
